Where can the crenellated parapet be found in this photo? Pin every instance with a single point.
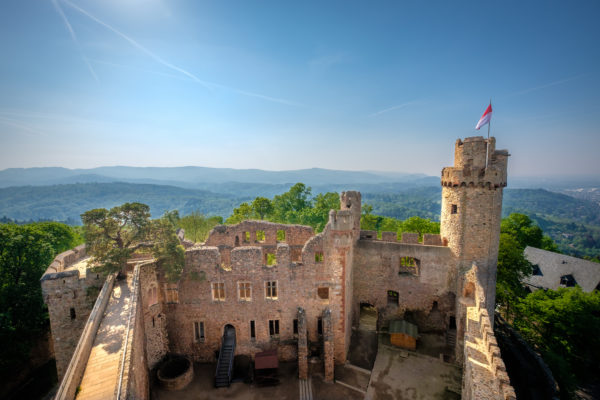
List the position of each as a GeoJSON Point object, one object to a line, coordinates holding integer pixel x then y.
{"type": "Point", "coordinates": [429, 239]}
{"type": "Point", "coordinates": [484, 372]}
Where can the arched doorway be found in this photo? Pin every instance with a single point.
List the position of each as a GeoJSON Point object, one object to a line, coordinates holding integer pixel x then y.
{"type": "Point", "coordinates": [229, 332]}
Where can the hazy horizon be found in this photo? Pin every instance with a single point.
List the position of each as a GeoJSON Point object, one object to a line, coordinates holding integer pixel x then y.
{"type": "Point", "coordinates": [287, 86]}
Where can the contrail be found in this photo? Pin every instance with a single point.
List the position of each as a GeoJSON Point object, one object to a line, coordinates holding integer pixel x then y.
{"type": "Point", "coordinates": [167, 64]}
{"type": "Point", "coordinates": [18, 124]}
{"type": "Point", "coordinates": [65, 20]}
{"type": "Point", "coordinates": [547, 85]}
{"type": "Point", "coordinates": [74, 37]}
{"type": "Point", "coordinates": [399, 106]}
{"type": "Point", "coordinates": [137, 45]}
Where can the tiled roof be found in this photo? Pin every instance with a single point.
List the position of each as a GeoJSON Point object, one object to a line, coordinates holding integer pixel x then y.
{"type": "Point", "coordinates": [553, 266]}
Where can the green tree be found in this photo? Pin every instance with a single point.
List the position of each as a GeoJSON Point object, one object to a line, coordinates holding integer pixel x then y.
{"type": "Point", "coordinates": [288, 205]}
{"type": "Point", "coordinates": [167, 250]}
{"type": "Point", "coordinates": [262, 207]}
{"type": "Point", "coordinates": [242, 213]}
{"type": "Point", "coordinates": [563, 326]}
{"type": "Point", "coordinates": [526, 232]}
{"type": "Point", "coordinates": [420, 225]}
{"type": "Point", "coordinates": [25, 252]}
{"type": "Point", "coordinates": [113, 235]}
{"type": "Point", "coordinates": [197, 226]}
{"type": "Point", "coordinates": [512, 268]}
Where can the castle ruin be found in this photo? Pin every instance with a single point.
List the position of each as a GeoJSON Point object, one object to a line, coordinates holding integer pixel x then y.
{"type": "Point", "coordinates": [284, 287]}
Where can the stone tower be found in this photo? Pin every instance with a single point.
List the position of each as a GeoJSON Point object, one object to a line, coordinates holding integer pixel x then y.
{"type": "Point", "coordinates": [472, 207]}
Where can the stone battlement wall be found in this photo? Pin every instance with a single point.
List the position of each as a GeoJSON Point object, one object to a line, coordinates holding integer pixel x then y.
{"type": "Point", "coordinates": [66, 259]}
{"type": "Point", "coordinates": [248, 233]}
{"type": "Point", "coordinates": [70, 290]}
{"type": "Point", "coordinates": [470, 168]}
{"type": "Point", "coordinates": [429, 239]}
{"type": "Point", "coordinates": [484, 372]}
{"type": "Point", "coordinates": [74, 367]}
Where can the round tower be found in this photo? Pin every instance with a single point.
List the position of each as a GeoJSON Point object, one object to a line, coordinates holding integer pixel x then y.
{"type": "Point", "coordinates": [472, 208]}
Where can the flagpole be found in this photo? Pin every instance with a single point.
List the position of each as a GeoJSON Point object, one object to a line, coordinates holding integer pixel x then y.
{"type": "Point", "coordinates": [487, 147]}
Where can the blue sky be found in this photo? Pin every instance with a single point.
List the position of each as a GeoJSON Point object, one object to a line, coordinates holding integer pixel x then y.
{"type": "Point", "coordinates": [287, 85]}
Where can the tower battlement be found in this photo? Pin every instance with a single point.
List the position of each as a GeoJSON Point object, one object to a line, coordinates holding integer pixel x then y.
{"type": "Point", "coordinates": [470, 168]}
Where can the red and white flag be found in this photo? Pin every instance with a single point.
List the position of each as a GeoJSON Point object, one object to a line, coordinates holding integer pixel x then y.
{"type": "Point", "coordinates": [485, 118]}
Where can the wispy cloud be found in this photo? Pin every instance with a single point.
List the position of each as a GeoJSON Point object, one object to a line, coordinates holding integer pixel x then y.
{"type": "Point", "coordinates": [162, 61]}
{"type": "Point", "coordinates": [69, 27]}
{"type": "Point", "coordinates": [396, 107]}
{"type": "Point", "coordinates": [546, 85]}
{"type": "Point", "coordinates": [325, 62]}
{"type": "Point", "coordinates": [20, 125]}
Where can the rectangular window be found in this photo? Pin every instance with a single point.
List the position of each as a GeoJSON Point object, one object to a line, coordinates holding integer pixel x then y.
{"type": "Point", "coordinates": [271, 290]}
{"type": "Point", "coordinates": [245, 291]}
{"type": "Point", "coordinates": [274, 327]}
{"type": "Point", "coordinates": [454, 209]}
{"type": "Point", "coordinates": [281, 235]}
{"type": "Point", "coordinates": [295, 327]}
{"type": "Point", "coordinates": [319, 257]}
{"type": "Point", "coordinates": [218, 291]}
{"type": "Point", "coordinates": [246, 237]}
{"type": "Point", "coordinates": [252, 330]}
{"type": "Point", "coordinates": [320, 326]}
{"type": "Point", "coordinates": [323, 293]}
{"type": "Point", "coordinates": [260, 236]}
{"type": "Point", "coordinates": [199, 331]}
{"type": "Point", "coordinates": [271, 259]}
{"type": "Point", "coordinates": [72, 311]}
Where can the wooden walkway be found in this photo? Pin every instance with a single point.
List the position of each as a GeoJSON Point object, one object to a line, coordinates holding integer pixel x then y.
{"type": "Point", "coordinates": [101, 374]}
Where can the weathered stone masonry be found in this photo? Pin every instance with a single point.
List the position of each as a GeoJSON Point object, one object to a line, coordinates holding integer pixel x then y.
{"type": "Point", "coordinates": [281, 286]}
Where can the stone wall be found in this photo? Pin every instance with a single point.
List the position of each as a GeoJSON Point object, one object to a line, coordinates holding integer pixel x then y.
{"type": "Point", "coordinates": [192, 299]}
{"type": "Point", "coordinates": [228, 237]}
{"type": "Point", "coordinates": [155, 320]}
{"type": "Point", "coordinates": [75, 366]}
{"type": "Point", "coordinates": [472, 208]}
{"type": "Point", "coordinates": [484, 373]}
{"type": "Point", "coordinates": [133, 367]}
{"type": "Point", "coordinates": [69, 290]}
{"type": "Point", "coordinates": [378, 269]}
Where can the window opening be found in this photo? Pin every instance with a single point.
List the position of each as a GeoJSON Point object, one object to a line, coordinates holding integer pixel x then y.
{"type": "Point", "coordinates": [199, 331]}
{"type": "Point", "coordinates": [260, 236]}
{"type": "Point", "coordinates": [274, 327]}
{"type": "Point", "coordinates": [246, 237]}
{"type": "Point", "coordinates": [320, 326]}
{"type": "Point", "coordinates": [392, 297]}
{"type": "Point", "coordinates": [218, 291]}
{"type": "Point", "coordinates": [408, 266]}
{"type": "Point", "coordinates": [454, 209]}
{"type": "Point", "coordinates": [245, 291]}
{"type": "Point", "coordinates": [252, 330]}
{"type": "Point", "coordinates": [281, 235]}
{"type": "Point", "coordinates": [295, 327]}
{"type": "Point", "coordinates": [319, 256]}
{"type": "Point", "coordinates": [271, 290]}
{"type": "Point", "coordinates": [271, 259]}
{"type": "Point", "coordinates": [72, 312]}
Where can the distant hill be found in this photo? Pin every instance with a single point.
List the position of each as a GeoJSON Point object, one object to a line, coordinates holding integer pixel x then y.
{"type": "Point", "coordinates": [67, 202]}
{"type": "Point", "coordinates": [199, 177]}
